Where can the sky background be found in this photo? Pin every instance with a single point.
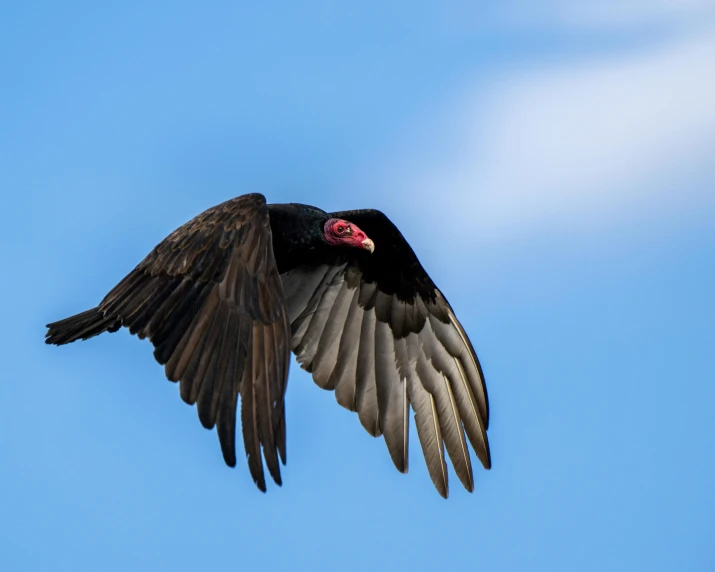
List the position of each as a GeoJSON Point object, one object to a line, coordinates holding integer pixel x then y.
{"type": "Point", "coordinates": [550, 161]}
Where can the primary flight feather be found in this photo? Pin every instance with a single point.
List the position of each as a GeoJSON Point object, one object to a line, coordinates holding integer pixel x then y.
{"type": "Point", "coordinates": [226, 297]}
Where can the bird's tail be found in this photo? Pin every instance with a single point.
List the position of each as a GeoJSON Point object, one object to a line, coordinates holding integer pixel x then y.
{"type": "Point", "coordinates": [81, 326]}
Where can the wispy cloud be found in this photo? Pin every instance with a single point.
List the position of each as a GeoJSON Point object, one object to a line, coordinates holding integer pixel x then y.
{"type": "Point", "coordinates": [603, 15]}
{"type": "Point", "coordinates": [607, 13]}
{"type": "Point", "coordinates": [577, 144]}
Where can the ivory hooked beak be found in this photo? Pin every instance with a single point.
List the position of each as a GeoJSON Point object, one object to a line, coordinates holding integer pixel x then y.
{"type": "Point", "coordinates": [368, 245]}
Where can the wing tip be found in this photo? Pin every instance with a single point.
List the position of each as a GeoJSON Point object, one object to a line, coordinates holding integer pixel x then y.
{"type": "Point", "coordinates": [275, 472]}
{"type": "Point", "coordinates": [229, 457]}
{"type": "Point", "coordinates": [484, 455]}
{"type": "Point", "coordinates": [442, 489]}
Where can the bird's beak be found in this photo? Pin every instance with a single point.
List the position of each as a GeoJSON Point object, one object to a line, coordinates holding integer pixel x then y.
{"type": "Point", "coordinates": [368, 245]}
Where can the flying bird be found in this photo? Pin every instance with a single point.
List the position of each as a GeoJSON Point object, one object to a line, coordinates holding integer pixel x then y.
{"type": "Point", "coordinates": [226, 297]}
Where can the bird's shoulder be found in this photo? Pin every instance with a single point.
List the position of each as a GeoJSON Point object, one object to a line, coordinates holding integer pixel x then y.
{"type": "Point", "coordinates": [233, 213]}
{"type": "Point", "coordinates": [208, 239]}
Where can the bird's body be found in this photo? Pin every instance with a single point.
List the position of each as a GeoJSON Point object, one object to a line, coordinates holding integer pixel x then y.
{"type": "Point", "coordinates": [226, 297]}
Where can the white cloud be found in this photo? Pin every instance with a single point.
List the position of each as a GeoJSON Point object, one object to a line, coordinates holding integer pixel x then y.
{"type": "Point", "coordinates": [578, 145]}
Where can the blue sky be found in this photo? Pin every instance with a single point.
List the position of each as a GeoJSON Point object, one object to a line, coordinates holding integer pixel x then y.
{"type": "Point", "coordinates": [549, 162]}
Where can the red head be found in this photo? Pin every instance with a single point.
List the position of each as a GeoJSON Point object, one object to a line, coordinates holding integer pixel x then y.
{"type": "Point", "coordinates": [338, 231]}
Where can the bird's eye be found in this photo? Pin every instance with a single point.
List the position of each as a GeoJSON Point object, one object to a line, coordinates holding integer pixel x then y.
{"type": "Point", "coordinates": [341, 229]}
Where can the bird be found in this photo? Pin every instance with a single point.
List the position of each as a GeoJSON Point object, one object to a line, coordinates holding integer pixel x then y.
{"type": "Point", "coordinates": [226, 298]}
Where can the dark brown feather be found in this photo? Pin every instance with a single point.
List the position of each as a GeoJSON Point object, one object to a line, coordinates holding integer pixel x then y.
{"type": "Point", "coordinates": [210, 299]}
{"type": "Point", "coordinates": [249, 422]}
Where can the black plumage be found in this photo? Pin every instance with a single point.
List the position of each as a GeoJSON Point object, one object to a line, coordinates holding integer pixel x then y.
{"type": "Point", "coordinates": [226, 297]}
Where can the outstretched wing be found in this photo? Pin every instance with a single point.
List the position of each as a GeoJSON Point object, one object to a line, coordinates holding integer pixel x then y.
{"type": "Point", "coordinates": [376, 329]}
{"type": "Point", "coordinates": [210, 300]}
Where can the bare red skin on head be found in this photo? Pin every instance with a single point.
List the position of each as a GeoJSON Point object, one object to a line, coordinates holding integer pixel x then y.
{"type": "Point", "coordinates": [342, 232]}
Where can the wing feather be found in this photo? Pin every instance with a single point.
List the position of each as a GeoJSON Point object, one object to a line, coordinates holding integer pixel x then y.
{"type": "Point", "coordinates": [438, 387]}
{"type": "Point", "coordinates": [300, 286]}
{"type": "Point", "coordinates": [343, 376]}
{"type": "Point", "coordinates": [210, 367]}
{"type": "Point", "coordinates": [168, 331]}
{"type": "Point", "coordinates": [391, 397]}
{"type": "Point", "coordinates": [264, 407]}
{"type": "Point", "coordinates": [455, 341]}
{"type": "Point", "coordinates": [211, 301]}
{"type": "Point", "coordinates": [226, 415]}
{"type": "Point", "coordinates": [365, 382]}
{"type": "Point", "coordinates": [326, 354]}
{"type": "Point", "coordinates": [444, 361]}
{"type": "Point", "coordinates": [306, 349]}
{"type": "Point", "coordinates": [183, 365]}
{"type": "Point", "coordinates": [376, 329]}
{"type": "Point", "coordinates": [249, 419]}
{"type": "Point", "coordinates": [429, 433]}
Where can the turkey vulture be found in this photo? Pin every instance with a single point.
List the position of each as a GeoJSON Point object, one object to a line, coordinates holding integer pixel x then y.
{"type": "Point", "coordinates": [226, 297]}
